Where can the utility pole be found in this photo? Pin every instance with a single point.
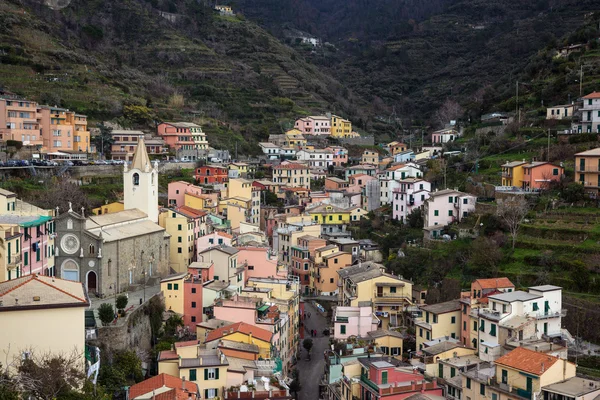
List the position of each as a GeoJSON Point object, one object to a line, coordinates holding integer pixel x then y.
{"type": "Point", "coordinates": [548, 156]}
{"type": "Point", "coordinates": [517, 105]}
{"type": "Point", "coordinates": [581, 81]}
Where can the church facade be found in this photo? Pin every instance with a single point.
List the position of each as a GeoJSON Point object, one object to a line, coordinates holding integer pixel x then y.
{"type": "Point", "coordinates": [111, 252]}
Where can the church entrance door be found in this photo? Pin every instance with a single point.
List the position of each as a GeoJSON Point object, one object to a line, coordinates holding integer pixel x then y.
{"type": "Point", "coordinates": [92, 281]}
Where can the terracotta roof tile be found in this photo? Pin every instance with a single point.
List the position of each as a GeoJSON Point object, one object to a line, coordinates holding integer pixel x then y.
{"type": "Point", "coordinates": [494, 283]}
{"type": "Point", "coordinates": [167, 355]}
{"type": "Point", "coordinates": [593, 95]}
{"type": "Point", "coordinates": [241, 327]}
{"type": "Point", "coordinates": [192, 212]}
{"type": "Point", "coordinates": [291, 166]}
{"type": "Point", "coordinates": [527, 360]}
{"type": "Point", "coordinates": [181, 388]}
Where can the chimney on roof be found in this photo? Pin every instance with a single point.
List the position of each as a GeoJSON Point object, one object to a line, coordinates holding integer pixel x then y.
{"type": "Point", "coordinates": [183, 383]}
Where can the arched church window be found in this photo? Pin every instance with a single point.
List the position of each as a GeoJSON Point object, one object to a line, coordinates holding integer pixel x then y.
{"type": "Point", "coordinates": [92, 249]}
{"type": "Point", "coordinates": [136, 179]}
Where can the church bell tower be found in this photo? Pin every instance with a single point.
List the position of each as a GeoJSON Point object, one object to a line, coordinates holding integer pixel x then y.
{"type": "Point", "coordinates": [140, 183]}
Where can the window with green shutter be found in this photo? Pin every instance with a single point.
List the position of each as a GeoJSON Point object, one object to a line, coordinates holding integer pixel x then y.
{"type": "Point", "coordinates": [482, 389]}
{"type": "Point", "coordinates": [205, 374]}
{"type": "Point", "coordinates": [26, 258]}
{"type": "Point", "coordinates": [436, 213]}
{"type": "Point", "coordinates": [37, 254]}
{"type": "Point", "coordinates": [441, 370]}
{"type": "Point", "coordinates": [493, 330]}
{"type": "Point", "coordinates": [169, 286]}
{"type": "Point", "coordinates": [504, 376]}
{"type": "Point", "coordinates": [452, 372]}
{"type": "Point", "coordinates": [176, 286]}
{"type": "Point", "coordinates": [450, 199]}
{"type": "Point", "coordinates": [535, 306]}
{"type": "Point", "coordinates": [453, 320]}
{"type": "Point", "coordinates": [343, 329]}
{"type": "Point", "coordinates": [393, 289]}
{"type": "Point", "coordinates": [192, 375]}
{"type": "Point", "coordinates": [482, 327]}
{"type": "Point", "coordinates": [468, 383]}
{"type": "Point", "coordinates": [450, 213]}
{"type": "Point", "coordinates": [384, 377]}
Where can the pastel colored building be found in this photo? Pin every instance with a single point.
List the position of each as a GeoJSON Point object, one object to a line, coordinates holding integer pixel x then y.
{"type": "Point", "coordinates": [173, 292]}
{"type": "Point", "coordinates": [108, 208]}
{"type": "Point", "coordinates": [324, 275]}
{"type": "Point", "coordinates": [561, 111]}
{"type": "Point", "coordinates": [437, 321]}
{"type": "Point", "coordinates": [184, 225]}
{"type": "Point", "coordinates": [215, 238]}
{"type": "Point", "coordinates": [444, 136]}
{"type": "Point", "coordinates": [361, 169]}
{"type": "Point", "coordinates": [589, 114]}
{"type": "Point", "coordinates": [353, 322]}
{"type": "Point", "coordinates": [333, 219]}
{"type": "Point", "coordinates": [512, 173]}
{"type": "Point", "coordinates": [317, 159]}
{"type": "Point", "coordinates": [446, 206]}
{"type": "Point", "coordinates": [259, 262]}
{"type": "Point", "coordinates": [333, 183]}
{"type": "Point", "coordinates": [368, 282]}
{"type": "Point", "coordinates": [207, 368]}
{"type": "Point", "coordinates": [21, 120]}
{"type": "Point", "coordinates": [370, 157]}
{"type": "Point", "coordinates": [314, 125]}
{"type": "Point", "coordinates": [409, 196]}
{"type": "Point", "coordinates": [177, 191]}
{"type": "Point", "coordinates": [384, 378]}
{"type": "Point", "coordinates": [539, 175]}
{"type": "Point", "coordinates": [403, 171]}
{"type": "Point", "coordinates": [587, 170]}
{"type": "Point", "coordinates": [396, 147]}
{"type": "Point", "coordinates": [124, 143]}
{"type": "Point", "coordinates": [64, 131]}
{"type": "Point", "coordinates": [186, 138]}
{"type": "Point", "coordinates": [340, 155]}
{"type": "Point", "coordinates": [389, 342]}
{"type": "Point", "coordinates": [165, 387]}
{"type": "Point", "coordinates": [211, 174]}
{"type": "Point", "coordinates": [227, 268]}
{"type": "Point", "coordinates": [303, 259]}
{"type": "Point", "coordinates": [11, 265]}
{"type": "Point", "coordinates": [58, 305]}
{"type": "Point", "coordinates": [292, 174]}
{"type": "Point", "coordinates": [241, 332]}
{"type": "Point", "coordinates": [340, 127]}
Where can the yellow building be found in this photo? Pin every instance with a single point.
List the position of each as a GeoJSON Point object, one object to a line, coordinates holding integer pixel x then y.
{"type": "Point", "coordinates": [340, 127]}
{"type": "Point", "coordinates": [172, 290]}
{"type": "Point", "coordinates": [431, 357]}
{"type": "Point", "coordinates": [328, 214]}
{"type": "Point", "coordinates": [389, 342]}
{"type": "Point", "coordinates": [241, 332]}
{"type": "Point", "coordinates": [109, 208]}
{"type": "Point", "coordinates": [358, 213]}
{"type": "Point", "coordinates": [522, 373]}
{"type": "Point", "coordinates": [184, 226]}
{"type": "Point", "coordinates": [242, 193]}
{"type": "Point", "coordinates": [292, 175]}
{"type": "Point", "coordinates": [10, 248]}
{"type": "Point", "coordinates": [438, 320]}
{"type": "Point", "coordinates": [370, 157]}
{"type": "Point", "coordinates": [241, 168]}
{"type": "Point", "coordinates": [587, 170]}
{"type": "Point", "coordinates": [290, 231]}
{"type": "Point", "coordinates": [368, 282]}
{"type": "Point", "coordinates": [295, 139]}
{"type": "Point", "coordinates": [58, 308]}
{"type": "Point", "coordinates": [396, 147]}
{"type": "Point", "coordinates": [328, 261]}
{"type": "Point", "coordinates": [512, 173]}
{"type": "Point", "coordinates": [205, 367]}
{"type": "Point", "coordinates": [204, 202]}
{"type": "Point", "coordinates": [350, 386]}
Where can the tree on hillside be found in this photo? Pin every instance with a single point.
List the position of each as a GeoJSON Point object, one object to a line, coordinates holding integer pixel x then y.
{"type": "Point", "coordinates": [60, 195]}
{"type": "Point", "coordinates": [449, 111]}
{"type": "Point", "coordinates": [104, 140]}
{"type": "Point", "coordinates": [512, 211]}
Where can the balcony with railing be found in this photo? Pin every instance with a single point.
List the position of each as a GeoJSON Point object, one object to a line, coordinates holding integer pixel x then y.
{"type": "Point", "coordinates": [550, 314]}
{"type": "Point", "coordinates": [388, 296]}
{"type": "Point", "coordinates": [588, 168]}
{"type": "Point", "coordinates": [509, 389]}
{"type": "Point", "coordinates": [14, 261]}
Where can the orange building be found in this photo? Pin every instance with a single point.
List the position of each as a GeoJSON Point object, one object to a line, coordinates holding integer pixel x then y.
{"type": "Point", "coordinates": [328, 261]}
{"type": "Point", "coordinates": [20, 120]}
{"type": "Point", "coordinates": [64, 131]}
{"type": "Point", "coordinates": [539, 174]}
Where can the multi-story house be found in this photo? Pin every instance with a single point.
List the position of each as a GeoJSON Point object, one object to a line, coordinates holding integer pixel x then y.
{"type": "Point", "coordinates": [589, 114]}
{"type": "Point", "coordinates": [353, 321]}
{"type": "Point", "coordinates": [21, 120]}
{"type": "Point", "coordinates": [190, 362]}
{"type": "Point", "coordinates": [270, 150]}
{"type": "Point", "coordinates": [333, 183]}
{"type": "Point", "coordinates": [539, 175]}
{"type": "Point", "coordinates": [225, 259]}
{"type": "Point", "coordinates": [340, 127]}
{"type": "Point", "coordinates": [317, 159]}
{"type": "Point", "coordinates": [403, 171]}
{"type": "Point", "coordinates": [333, 219]}
{"type": "Point", "coordinates": [368, 282]}
{"type": "Point", "coordinates": [516, 317]}
{"type": "Point", "coordinates": [587, 170]}
{"type": "Point", "coordinates": [314, 125]}
{"type": "Point", "coordinates": [478, 297]}
{"type": "Point", "coordinates": [211, 174]}
{"type": "Point", "coordinates": [124, 143]}
{"type": "Point", "coordinates": [522, 373]}
{"type": "Point", "coordinates": [370, 157]}
{"type": "Point", "coordinates": [186, 138]}
{"type": "Point", "coordinates": [389, 379]}
{"type": "Point", "coordinates": [169, 385]}
{"type": "Point", "coordinates": [370, 170]}
{"type": "Point", "coordinates": [562, 111]}
{"type": "Point", "coordinates": [437, 321]}
{"type": "Point", "coordinates": [444, 136]}
{"type": "Point", "coordinates": [292, 174]}
{"type": "Point", "coordinates": [446, 206]}
{"type": "Point", "coordinates": [215, 238]}
{"type": "Point", "coordinates": [177, 191]}
{"type": "Point", "coordinates": [512, 173]}
{"type": "Point", "coordinates": [575, 388]}
{"type": "Point", "coordinates": [409, 196]}
{"type": "Point", "coordinates": [63, 130]}
{"type": "Point", "coordinates": [340, 155]}
{"type": "Point", "coordinates": [242, 193]}
{"type": "Point", "coordinates": [184, 225]}
{"type": "Point", "coordinates": [303, 256]}
{"type": "Point", "coordinates": [57, 304]}
{"type": "Point", "coordinates": [404, 156]}
{"type": "Point", "coordinates": [396, 147]}
{"type": "Point", "coordinates": [288, 232]}
{"type": "Point", "coordinates": [328, 261]}
{"type": "Point", "coordinates": [241, 332]}
{"type": "Point", "coordinates": [183, 294]}
{"type": "Point", "coordinates": [11, 263]}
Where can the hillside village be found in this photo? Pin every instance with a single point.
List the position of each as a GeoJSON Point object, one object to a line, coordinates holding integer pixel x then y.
{"type": "Point", "coordinates": [269, 277]}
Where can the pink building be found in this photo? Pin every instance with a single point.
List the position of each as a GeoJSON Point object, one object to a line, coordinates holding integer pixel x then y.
{"type": "Point", "coordinates": [314, 125]}
{"type": "Point", "coordinates": [202, 270]}
{"type": "Point", "coordinates": [382, 377]}
{"type": "Point", "coordinates": [538, 175]}
{"type": "Point", "coordinates": [213, 239]}
{"type": "Point", "coordinates": [411, 195]}
{"type": "Point", "coordinates": [192, 301]}
{"type": "Point", "coordinates": [249, 310]}
{"type": "Point", "coordinates": [177, 191]}
{"type": "Point", "coordinates": [446, 206]}
{"type": "Point", "coordinates": [357, 182]}
{"type": "Point", "coordinates": [258, 261]}
{"type": "Point", "coordinates": [340, 155]}
{"type": "Point", "coordinates": [38, 247]}
{"type": "Point", "coordinates": [353, 321]}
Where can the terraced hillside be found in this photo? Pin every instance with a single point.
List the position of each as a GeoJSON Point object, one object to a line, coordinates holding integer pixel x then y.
{"type": "Point", "coordinates": [169, 59]}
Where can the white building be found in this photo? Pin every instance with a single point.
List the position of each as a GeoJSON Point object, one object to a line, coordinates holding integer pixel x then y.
{"type": "Point", "coordinates": [140, 184]}
{"type": "Point", "coordinates": [403, 171]}
{"type": "Point", "coordinates": [519, 316]}
{"type": "Point", "coordinates": [590, 114]}
{"type": "Point", "coordinates": [270, 149]}
{"type": "Point", "coordinates": [410, 195]}
{"type": "Point", "coordinates": [319, 159]}
{"type": "Point", "coordinates": [447, 206]}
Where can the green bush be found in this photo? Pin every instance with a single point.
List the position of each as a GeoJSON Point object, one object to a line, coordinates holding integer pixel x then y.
{"type": "Point", "coordinates": [106, 313]}
{"type": "Point", "coordinates": [122, 301]}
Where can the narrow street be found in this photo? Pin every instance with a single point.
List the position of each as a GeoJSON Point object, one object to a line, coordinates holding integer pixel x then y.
{"type": "Point", "coordinates": [312, 371]}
